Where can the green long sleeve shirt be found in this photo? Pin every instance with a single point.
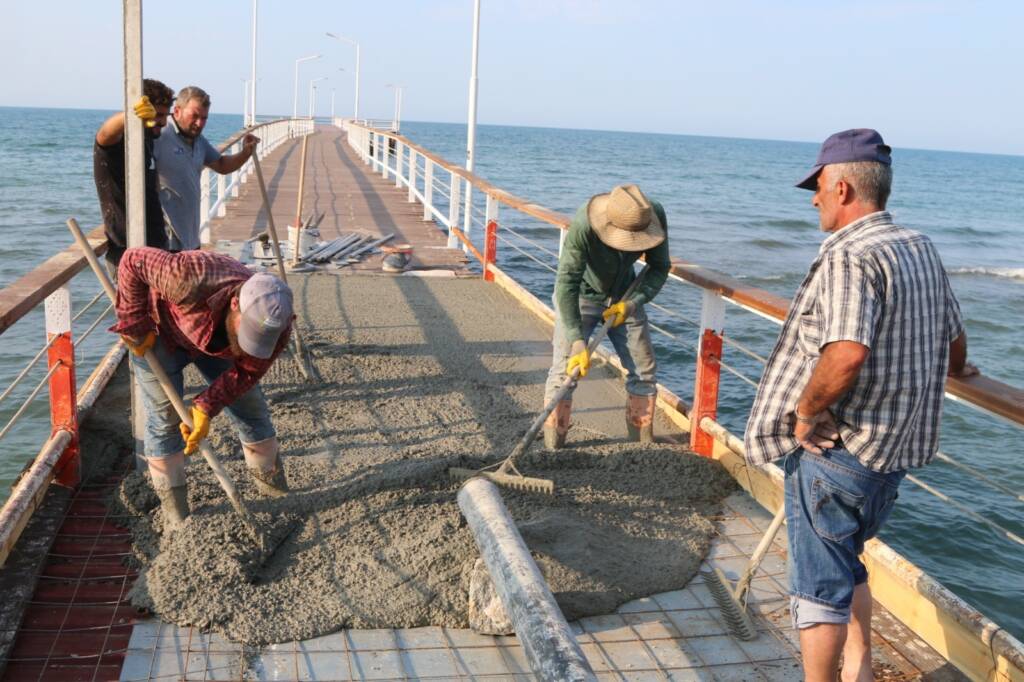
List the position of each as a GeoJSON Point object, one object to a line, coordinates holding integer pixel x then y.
{"type": "Point", "coordinates": [589, 268]}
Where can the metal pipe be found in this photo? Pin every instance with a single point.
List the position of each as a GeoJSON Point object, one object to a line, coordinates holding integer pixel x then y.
{"type": "Point", "coordinates": [298, 208]}
{"type": "Point", "coordinates": [295, 94]}
{"type": "Point", "coordinates": [467, 225]}
{"type": "Point", "coordinates": [549, 644]}
{"type": "Point", "coordinates": [252, 106]}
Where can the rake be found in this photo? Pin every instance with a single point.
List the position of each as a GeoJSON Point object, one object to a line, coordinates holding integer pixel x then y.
{"type": "Point", "coordinates": [732, 600]}
{"type": "Point", "coordinates": [505, 473]}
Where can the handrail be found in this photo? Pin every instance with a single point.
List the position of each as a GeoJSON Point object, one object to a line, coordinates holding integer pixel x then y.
{"type": "Point", "coordinates": [979, 391]}
{"type": "Point", "coordinates": [245, 131]}
{"type": "Point", "coordinates": [21, 296]}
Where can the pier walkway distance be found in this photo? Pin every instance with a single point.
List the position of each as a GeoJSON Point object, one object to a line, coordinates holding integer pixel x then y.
{"type": "Point", "coordinates": [441, 318]}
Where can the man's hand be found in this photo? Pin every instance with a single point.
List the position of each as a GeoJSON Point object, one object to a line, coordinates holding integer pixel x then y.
{"type": "Point", "coordinates": [619, 312]}
{"type": "Point", "coordinates": [139, 347]}
{"type": "Point", "coordinates": [146, 111]}
{"type": "Point", "coordinates": [815, 433]}
{"type": "Point", "coordinates": [579, 358]}
{"type": "Point", "coordinates": [249, 143]}
{"type": "Point", "coordinates": [195, 435]}
{"type": "Point", "coordinates": [968, 370]}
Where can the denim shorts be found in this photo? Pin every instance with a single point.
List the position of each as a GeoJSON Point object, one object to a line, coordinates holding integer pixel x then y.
{"type": "Point", "coordinates": [249, 413]}
{"type": "Point", "coordinates": [833, 505]}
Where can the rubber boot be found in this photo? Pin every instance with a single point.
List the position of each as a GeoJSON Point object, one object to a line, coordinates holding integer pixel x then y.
{"type": "Point", "coordinates": [263, 460]}
{"type": "Point", "coordinates": [168, 475]}
{"type": "Point", "coordinates": [556, 426]}
{"type": "Point", "coordinates": [640, 418]}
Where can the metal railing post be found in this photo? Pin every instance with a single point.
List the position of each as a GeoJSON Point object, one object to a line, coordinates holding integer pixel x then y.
{"type": "Point", "coordinates": [399, 152]}
{"type": "Point", "coordinates": [428, 189]}
{"type": "Point", "coordinates": [453, 211]}
{"type": "Point", "coordinates": [204, 207]}
{"type": "Point", "coordinates": [385, 151]}
{"type": "Point", "coordinates": [709, 355]}
{"type": "Point", "coordinates": [412, 176]}
{"type": "Point", "coordinates": [63, 394]}
{"type": "Point", "coordinates": [222, 189]}
{"type": "Point", "coordinates": [490, 237]}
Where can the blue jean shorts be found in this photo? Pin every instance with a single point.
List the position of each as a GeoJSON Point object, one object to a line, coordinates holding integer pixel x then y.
{"type": "Point", "coordinates": [833, 505]}
{"type": "Point", "coordinates": [249, 413]}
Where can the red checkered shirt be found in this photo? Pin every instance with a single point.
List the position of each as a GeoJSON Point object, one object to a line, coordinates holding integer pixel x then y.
{"type": "Point", "coordinates": [184, 297]}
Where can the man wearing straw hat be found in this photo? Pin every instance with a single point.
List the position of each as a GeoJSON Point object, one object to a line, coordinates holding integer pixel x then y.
{"type": "Point", "coordinates": [606, 237]}
{"type": "Point", "coordinates": [206, 309]}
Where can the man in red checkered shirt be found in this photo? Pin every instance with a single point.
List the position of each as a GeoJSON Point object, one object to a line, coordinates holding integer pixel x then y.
{"type": "Point", "coordinates": [206, 309]}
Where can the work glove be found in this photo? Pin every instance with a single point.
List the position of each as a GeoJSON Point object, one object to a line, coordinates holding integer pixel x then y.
{"type": "Point", "coordinates": [579, 358]}
{"type": "Point", "coordinates": [138, 347]}
{"type": "Point", "coordinates": [193, 436]}
{"type": "Point", "coordinates": [146, 111]}
{"type": "Point", "coordinates": [618, 312]}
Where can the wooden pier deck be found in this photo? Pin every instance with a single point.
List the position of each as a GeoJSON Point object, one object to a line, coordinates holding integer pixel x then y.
{"type": "Point", "coordinates": [350, 197]}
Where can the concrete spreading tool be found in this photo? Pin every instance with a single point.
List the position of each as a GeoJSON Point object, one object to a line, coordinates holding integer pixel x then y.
{"type": "Point", "coordinates": [732, 601]}
{"type": "Point", "coordinates": [268, 539]}
{"type": "Point", "coordinates": [505, 472]}
{"type": "Point", "coordinates": [302, 357]}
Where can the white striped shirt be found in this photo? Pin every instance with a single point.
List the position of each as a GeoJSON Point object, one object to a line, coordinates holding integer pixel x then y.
{"type": "Point", "coordinates": [882, 286]}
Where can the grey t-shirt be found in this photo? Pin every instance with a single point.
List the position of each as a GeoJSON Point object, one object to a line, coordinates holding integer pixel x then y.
{"type": "Point", "coordinates": [180, 166]}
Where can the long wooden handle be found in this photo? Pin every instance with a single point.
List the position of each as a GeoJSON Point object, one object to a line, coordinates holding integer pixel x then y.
{"type": "Point", "coordinates": [271, 228]}
{"type": "Point", "coordinates": [161, 376]}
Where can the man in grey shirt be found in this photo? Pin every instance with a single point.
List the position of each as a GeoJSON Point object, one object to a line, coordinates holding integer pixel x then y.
{"type": "Point", "coordinates": [180, 154]}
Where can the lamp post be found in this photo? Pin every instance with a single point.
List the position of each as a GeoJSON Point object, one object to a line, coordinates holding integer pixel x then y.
{"type": "Point", "coordinates": [245, 102]}
{"type": "Point", "coordinates": [312, 89]}
{"type": "Point", "coordinates": [396, 120]}
{"type": "Point", "coordinates": [471, 123]}
{"type": "Point", "coordinates": [252, 105]}
{"type": "Point", "coordinates": [333, 90]}
{"type": "Point", "coordinates": [356, 45]}
{"type": "Point", "coordinates": [295, 97]}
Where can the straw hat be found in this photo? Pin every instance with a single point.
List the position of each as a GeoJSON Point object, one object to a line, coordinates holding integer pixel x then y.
{"type": "Point", "coordinates": [624, 220]}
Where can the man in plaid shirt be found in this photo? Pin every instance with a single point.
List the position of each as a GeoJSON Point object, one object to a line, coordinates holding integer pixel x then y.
{"type": "Point", "coordinates": [851, 396]}
{"type": "Point", "coordinates": [207, 309]}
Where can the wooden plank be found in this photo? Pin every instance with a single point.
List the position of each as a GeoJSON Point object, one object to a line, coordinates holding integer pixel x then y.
{"type": "Point", "coordinates": [32, 289]}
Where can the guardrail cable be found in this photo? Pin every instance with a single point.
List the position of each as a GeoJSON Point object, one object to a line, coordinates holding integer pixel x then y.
{"type": "Point", "coordinates": [737, 374]}
{"type": "Point", "coordinates": [673, 313]}
{"type": "Point", "coordinates": [86, 307]}
{"type": "Point", "coordinates": [531, 242]}
{"type": "Point", "coordinates": [29, 399]}
{"type": "Point", "coordinates": [743, 349]}
{"type": "Point", "coordinates": [527, 254]}
{"type": "Point", "coordinates": [31, 363]}
{"type": "Point", "coordinates": [92, 327]}
{"type": "Point", "coordinates": [980, 475]}
{"type": "Point", "coordinates": [1005, 532]}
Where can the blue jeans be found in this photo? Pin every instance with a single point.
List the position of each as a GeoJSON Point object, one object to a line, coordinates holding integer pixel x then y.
{"type": "Point", "coordinates": [833, 505]}
{"type": "Point", "coordinates": [249, 413]}
{"type": "Point", "coordinates": [632, 342]}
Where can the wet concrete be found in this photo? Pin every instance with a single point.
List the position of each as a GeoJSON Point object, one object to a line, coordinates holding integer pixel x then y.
{"type": "Point", "coordinates": [419, 375]}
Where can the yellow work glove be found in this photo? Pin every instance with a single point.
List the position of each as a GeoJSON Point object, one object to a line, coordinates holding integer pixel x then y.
{"type": "Point", "coordinates": [137, 347]}
{"type": "Point", "coordinates": [579, 358]}
{"type": "Point", "coordinates": [618, 312]}
{"type": "Point", "coordinates": [193, 436]}
{"type": "Point", "coordinates": [146, 111]}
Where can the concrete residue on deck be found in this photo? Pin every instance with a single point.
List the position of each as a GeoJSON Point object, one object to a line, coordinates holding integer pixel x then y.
{"type": "Point", "coordinates": [418, 375]}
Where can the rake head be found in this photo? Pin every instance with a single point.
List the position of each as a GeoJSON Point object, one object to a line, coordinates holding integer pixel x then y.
{"type": "Point", "coordinates": [515, 481]}
{"type": "Point", "coordinates": [733, 613]}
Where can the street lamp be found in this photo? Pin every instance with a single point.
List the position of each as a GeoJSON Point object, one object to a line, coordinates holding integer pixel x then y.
{"type": "Point", "coordinates": [245, 103]}
{"type": "Point", "coordinates": [471, 123]}
{"type": "Point", "coordinates": [356, 45]}
{"type": "Point", "coordinates": [333, 90]}
{"type": "Point", "coordinates": [252, 107]}
{"type": "Point", "coordinates": [295, 98]}
{"type": "Point", "coordinates": [311, 91]}
{"type": "Point", "coordinates": [397, 120]}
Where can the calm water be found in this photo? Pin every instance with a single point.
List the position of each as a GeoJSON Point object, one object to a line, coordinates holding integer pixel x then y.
{"type": "Point", "coordinates": [731, 206]}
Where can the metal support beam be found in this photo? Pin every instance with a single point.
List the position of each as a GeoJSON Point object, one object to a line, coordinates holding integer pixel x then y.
{"type": "Point", "coordinates": [549, 644]}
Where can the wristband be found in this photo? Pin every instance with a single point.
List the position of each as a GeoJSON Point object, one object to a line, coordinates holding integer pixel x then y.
{"type": "Point", "coordinates": [805, 420]}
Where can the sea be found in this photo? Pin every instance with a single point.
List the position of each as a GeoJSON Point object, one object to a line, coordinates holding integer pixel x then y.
{"type": "Point", "coordinates": [731, 206]}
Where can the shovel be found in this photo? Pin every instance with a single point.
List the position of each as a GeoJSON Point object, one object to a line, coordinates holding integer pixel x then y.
{"type": "Point", "coordinates": [268, 542]}
{"type": "Point", "coordinates": [505, 472]}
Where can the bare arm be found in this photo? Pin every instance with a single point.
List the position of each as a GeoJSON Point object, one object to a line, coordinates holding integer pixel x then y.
{"type": "Point", "coordinates": [958, 365]}
{"type": "Point", "coordinates": [834, 375]}
{"type": "Point", "coordinates": [232, 162]}
{"type": "Point", "coordinates": [111, 131]}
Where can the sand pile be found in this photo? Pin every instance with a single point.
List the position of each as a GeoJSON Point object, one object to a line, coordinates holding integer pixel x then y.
{"type": "Point", "coordinates": [380, 541]}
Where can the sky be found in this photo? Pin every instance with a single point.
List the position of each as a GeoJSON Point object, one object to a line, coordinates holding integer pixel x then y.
{"type": "Point", "coordinates": [931, 74]}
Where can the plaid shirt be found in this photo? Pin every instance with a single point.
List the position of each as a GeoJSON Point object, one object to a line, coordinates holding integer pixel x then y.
{"type": "Point", "coordinates": [882, 286]}
{"type": "Point", "coordinates": [184, 297]}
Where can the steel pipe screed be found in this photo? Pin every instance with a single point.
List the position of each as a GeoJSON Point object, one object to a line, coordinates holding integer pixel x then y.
{"type": "Point", "coordinates": [549, 644]}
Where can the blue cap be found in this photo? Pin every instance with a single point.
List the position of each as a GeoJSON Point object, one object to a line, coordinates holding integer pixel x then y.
{"type": "Point", "coordinates": [858, 144]}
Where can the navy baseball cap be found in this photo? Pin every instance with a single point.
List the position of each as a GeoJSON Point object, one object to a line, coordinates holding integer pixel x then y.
{"type": "Point", "coordinates": [857, 144]}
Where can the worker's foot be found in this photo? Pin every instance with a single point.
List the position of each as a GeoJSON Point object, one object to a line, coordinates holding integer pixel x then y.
{"type": "Point", "coordinates": [270, 482]}
{"type": "Point", "coordinates": [174, 503]}
{"type": "Point", "coordinates": [556, 426]}
{"type": "Point", "coordinates": [640, 418]}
